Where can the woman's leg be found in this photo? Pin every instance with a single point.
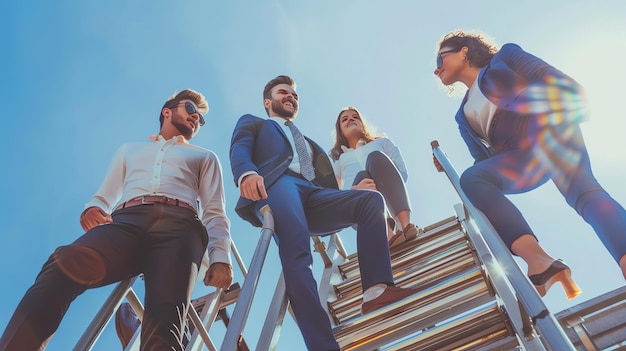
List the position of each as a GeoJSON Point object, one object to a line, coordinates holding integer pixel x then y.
{"type": "Point", "coordinates": [389, 182]}
{"type": "Point", "coordinates": [487, 183]}
{"type": "Point", "coordinates": [562, 151]}
{"type": "Point", "coordinates": [391, 223]}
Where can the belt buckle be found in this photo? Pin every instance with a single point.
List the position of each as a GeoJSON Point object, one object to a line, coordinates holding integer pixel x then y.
{"type": "Point", "coordinates": [146, 201]}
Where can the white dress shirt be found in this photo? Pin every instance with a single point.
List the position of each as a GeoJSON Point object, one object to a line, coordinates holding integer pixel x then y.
{"type": "Point", "coordinates": [176, 169]}
{"type": "Point", "coordinates": [352, 161]}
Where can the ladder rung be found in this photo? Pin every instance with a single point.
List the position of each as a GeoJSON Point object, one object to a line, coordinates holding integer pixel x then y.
{"type": "Point", "coordinates": [482, 327]}
{"type": "Point", "coordinates": [228, 298]}
{"type": "Point", "coordinates": [425, 244]}
{"type": "Point", "coordinates": [417, 269]}
{"type": "Point", "coordinates": [417, 312]}
{"type": "Point", "coordinates": [437, 290]}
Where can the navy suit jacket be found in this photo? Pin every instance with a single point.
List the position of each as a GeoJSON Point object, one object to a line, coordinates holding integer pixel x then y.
{"type": "Point", "coordinates": [261, 145]}
{"type": "Point", "coordinates": [520, 84]}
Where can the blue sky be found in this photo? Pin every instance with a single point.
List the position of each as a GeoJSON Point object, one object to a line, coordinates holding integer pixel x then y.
{"type": "Point", "coordinates": [81, 78]}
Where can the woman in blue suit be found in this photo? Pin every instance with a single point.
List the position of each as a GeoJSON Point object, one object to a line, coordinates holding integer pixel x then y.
{"type": "Point", "coordinates": [520, 120]}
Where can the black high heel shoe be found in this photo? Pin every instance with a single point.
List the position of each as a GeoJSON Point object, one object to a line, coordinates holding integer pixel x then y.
{"type": "Point", "coordinates": [557, 272]}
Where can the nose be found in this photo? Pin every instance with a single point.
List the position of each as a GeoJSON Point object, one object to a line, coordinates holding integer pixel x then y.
{"type": "Point", "coordinates": [437, 70]}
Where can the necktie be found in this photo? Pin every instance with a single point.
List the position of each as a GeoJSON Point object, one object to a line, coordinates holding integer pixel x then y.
{"type": "Point", "coordinates": [306, 165]}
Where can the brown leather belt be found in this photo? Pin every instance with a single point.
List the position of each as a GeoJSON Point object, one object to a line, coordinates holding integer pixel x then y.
{"type": "Point", "coordinates": [155, 199]}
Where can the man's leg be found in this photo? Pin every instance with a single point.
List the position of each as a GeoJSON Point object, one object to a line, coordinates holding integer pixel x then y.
{"type": "Point", "coordinates": [175, 245]}
{"type": "Point", "coordinates": [329, 210]}
{"type": "Point", "coordinates": [286, 198]}
{"type": "Point", "coordinates": [71, 269]}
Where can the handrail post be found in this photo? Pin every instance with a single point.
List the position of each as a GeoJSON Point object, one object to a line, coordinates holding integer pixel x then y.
{"type": "Point", "coordinates": [244, 302]}
{"type": "Point", "coordinates": [95, 328]}
{"type": "Point", "coordinates": [551, 331]}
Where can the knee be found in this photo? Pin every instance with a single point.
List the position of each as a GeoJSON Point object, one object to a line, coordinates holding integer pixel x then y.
{"type": "Point", "coordinates": [377, 158]}
{"type": "Point", "coordinates": [467, 179]}
{"type": "Point", "coordinates": [471, 178]}
{"type": "Point", "coordinates": [79, 263]}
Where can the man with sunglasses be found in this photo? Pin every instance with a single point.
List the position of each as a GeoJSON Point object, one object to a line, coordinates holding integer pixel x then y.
{"type": "Point", "coordinates": [159, 211]}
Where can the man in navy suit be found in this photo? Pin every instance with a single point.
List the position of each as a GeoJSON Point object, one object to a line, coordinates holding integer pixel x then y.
{"type": "Point", "coordinates": [267, 169]}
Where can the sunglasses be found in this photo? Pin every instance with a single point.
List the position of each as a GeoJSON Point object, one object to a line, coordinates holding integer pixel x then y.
{"type": "Point", "coordinates": [191, 108]}
{"type": "Point", "coordinates": [440, 58]}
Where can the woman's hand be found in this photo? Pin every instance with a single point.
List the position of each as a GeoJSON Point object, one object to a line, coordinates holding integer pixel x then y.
{"type": "Point", "coordinates": [365, 184]}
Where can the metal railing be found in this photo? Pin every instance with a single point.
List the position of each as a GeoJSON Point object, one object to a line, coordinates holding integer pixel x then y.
{"type": "Point", "coordinates": [504, 270]}
{"type": "Point", "coordinates": [123, 290]}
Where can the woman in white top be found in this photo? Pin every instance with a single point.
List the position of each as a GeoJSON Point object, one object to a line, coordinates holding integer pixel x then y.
{"type": "Point", "coordinates": [367, 162]}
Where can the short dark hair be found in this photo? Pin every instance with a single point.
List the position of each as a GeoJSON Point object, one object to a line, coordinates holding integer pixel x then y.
{"type": "Point", "coordinates": [187, 94]}
{"type": "Point", "coordinates": [479, 51]}
{"type": "Point", "coordinates": [267, 91]}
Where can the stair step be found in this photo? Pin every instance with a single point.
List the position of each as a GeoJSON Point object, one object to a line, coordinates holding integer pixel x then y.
{"type": "Point", "coordinates": [484, 328]}
{"type": "Point", "coordinates": [430, 307]}
{"type": "Point", "coordinates": [432, 240]}
{"type": "Point", "coordinates": [440, 264]}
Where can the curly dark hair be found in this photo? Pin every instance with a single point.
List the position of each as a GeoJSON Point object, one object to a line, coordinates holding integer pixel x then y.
{"type": "Point", "coordinates": [479, 51]}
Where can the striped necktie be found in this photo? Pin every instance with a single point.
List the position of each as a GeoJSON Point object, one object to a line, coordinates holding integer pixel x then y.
{"type": "Point", "coordinates": [306, 165]}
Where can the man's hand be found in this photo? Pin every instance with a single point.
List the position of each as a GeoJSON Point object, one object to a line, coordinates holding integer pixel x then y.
{"type": "Point", "coordinates": [252, 187]}
{"type": "Point", "coordinates": [219, 275]}
{"type": "Point", "coordinates": [94, 216]}
{"type": "Point", "coordinates": [365, 184]}
{"type": "Point", "coordinates": [437, 164]}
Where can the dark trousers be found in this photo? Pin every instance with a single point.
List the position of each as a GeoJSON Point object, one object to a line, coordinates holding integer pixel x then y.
{"type": "Point", "coordinates": [302, 209]}
{"type": "Point", "coordinates": [528, 155]}
{"type": "Point", "coordinates": [388, 180]}
{"type": "Point", "coordinates": [165, 243]}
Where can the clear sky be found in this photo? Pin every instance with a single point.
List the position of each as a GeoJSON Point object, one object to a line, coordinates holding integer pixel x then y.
{"type": "Point", "coordinates": [82, 77]}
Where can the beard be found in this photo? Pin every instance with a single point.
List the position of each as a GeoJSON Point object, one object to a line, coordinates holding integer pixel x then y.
{"type": "Point", "coordinates": [277, 107]}
{"type": "Point", "coordinates": [183, 127]}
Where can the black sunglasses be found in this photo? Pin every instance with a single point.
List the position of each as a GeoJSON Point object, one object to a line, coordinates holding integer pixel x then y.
{"type": "Point", "coordinates": [440, 58]}
{"type": "Point", "coordinates": [191, 108]}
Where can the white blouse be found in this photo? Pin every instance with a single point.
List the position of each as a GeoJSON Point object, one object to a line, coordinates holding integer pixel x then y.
{"type": "Point", "coordinates": [352, 161]}
{"type": "Point", "coordinates": [479, 112]}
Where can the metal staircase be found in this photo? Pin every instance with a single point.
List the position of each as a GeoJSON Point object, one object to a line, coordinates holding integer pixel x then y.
{"type": "Point", "coordinates": [472, 296]}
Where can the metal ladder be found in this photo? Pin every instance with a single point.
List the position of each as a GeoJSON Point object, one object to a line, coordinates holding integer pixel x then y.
{"type": "Point", "coordinates": [472, 295]}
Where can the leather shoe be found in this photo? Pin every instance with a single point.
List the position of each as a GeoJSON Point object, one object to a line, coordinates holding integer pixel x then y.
{"type": "Point", "coordinates": [390, 295]}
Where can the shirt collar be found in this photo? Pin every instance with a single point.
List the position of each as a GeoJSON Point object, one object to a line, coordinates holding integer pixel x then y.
{"type": "Point", "coordinates": [281, 121]}
{"type": "Point", "coordinates": [359, 143]}
{"type": "Point", "coordinates": [159, 137]}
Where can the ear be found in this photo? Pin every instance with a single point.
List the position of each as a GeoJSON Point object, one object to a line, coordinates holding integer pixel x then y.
{"type": "Point", "coordinates": [166, 112]}
{"type": "Point", "coordinates": [267, 103]}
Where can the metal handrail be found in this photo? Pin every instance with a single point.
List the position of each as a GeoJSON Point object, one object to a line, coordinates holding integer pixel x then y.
{"type": "Point", "coordinates": [95, 328]}
{"type": "Point", "coordinates": [551, 332]}
{"type": "Point", "coordinates": [244, 302]}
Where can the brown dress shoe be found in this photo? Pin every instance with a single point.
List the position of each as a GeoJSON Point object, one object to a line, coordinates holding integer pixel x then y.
{"type": "Point", "coordinates": [390, 295]}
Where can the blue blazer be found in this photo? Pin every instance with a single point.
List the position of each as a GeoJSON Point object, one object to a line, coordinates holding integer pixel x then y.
{"type": "Point", "coordinates": [521, 84]}
{"type": "Point", "coordinates": [261, 145]}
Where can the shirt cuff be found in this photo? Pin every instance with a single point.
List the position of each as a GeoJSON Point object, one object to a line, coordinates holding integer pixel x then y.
{"type": "Point", "coordinates": [243, 175]}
